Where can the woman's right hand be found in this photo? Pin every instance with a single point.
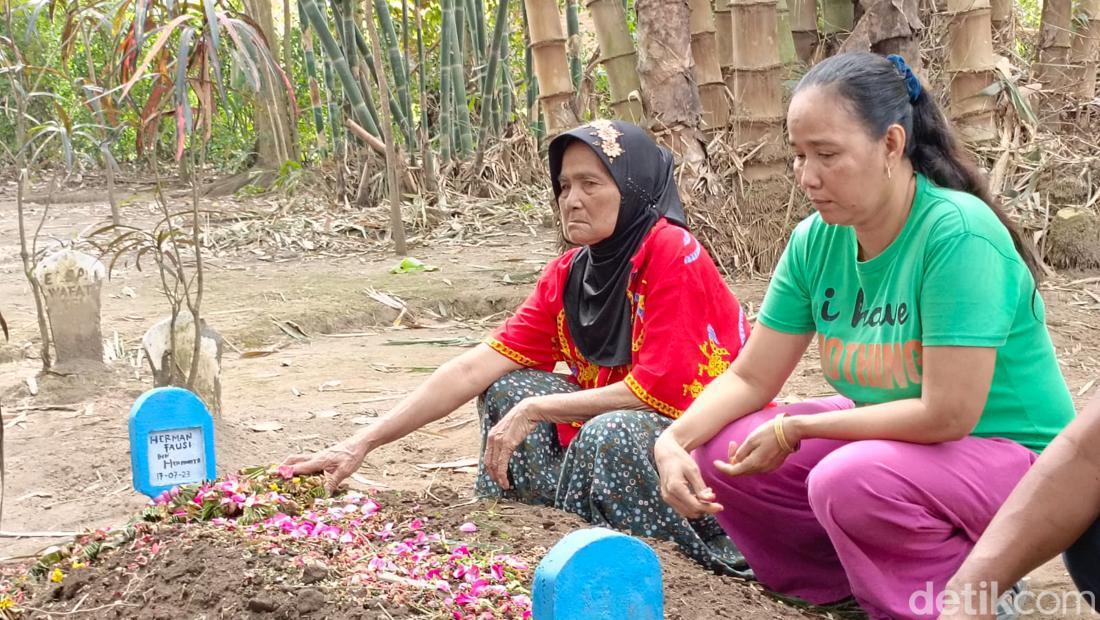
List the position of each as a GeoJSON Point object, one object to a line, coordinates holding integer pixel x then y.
{"type": "Point", "coordinates": [682, 485]}
{"type": "Point", "coordinates": [335, 462]}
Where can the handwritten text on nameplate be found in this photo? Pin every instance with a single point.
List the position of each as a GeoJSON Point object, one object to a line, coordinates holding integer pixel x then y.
{"type": "Point", "coordinates": [176, 456]}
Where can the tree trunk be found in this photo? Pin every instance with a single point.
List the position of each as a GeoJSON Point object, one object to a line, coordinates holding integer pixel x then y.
{"type": "Point", "coordinates": [804, 28]}
{"type": "Point", "coordinates": [669, 93]}
{"type": "Point", "coordinates": [889, 27]}
{"type": "Point", "coordinates": [271, 109]}
{"type": "Point", "coordinates": [708, 71]}
{"type": "Point", "coordinates": [723, 33]}
{"type": "Point", "coordinates": [618, 58]}
{"type": "Point", "coordinates": [1086, 49]}
{"type": "Point", "coordinates": [551, 65]}
{"type": "Point", "coordinates": [756, 85]}
{"type": "Point", "coordinates": [1054, 44]}
{"type": "Point", "coordinates": [970, 63]}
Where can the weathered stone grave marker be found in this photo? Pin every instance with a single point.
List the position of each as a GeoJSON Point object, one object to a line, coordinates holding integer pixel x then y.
{"type": "Point", "coordinates": [171, 440]}
{"type": "Point", "coordinates": [71, 283]}
{"type": "Point", "coordinates": [157, 344]}
{"type": "Point", "coordinates": [598, 574]}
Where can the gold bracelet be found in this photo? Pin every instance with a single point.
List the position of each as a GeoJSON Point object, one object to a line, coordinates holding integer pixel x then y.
{"type": "Point", "coordinates": [780, 436]}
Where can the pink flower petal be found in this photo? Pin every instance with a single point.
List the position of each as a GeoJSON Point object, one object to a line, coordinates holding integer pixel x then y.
{"type": "Point", "coordinates": [467, 527]}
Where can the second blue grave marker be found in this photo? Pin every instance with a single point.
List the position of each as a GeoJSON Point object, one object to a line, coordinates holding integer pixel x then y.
{"type": "Point", "coordinates": [598, 574]}
{"type": "Point", "coordinates": [171, 440]}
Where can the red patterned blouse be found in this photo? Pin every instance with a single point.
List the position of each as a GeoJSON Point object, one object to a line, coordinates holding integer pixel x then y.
{"type": "Point", "coordinates": [687, 325]}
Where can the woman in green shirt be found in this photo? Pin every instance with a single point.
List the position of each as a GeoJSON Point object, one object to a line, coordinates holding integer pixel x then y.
{"type": "Point", "coordinates": [922, 297]}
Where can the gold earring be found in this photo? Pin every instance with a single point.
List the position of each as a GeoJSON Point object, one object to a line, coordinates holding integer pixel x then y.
{"type": "Point", "coordinates": [889, 172]}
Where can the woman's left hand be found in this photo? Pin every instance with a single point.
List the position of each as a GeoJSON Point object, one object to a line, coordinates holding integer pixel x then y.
{"type": "Point", "coordinates": [760, 453]}
{"type": "Point", "coordinates": [505, 437]}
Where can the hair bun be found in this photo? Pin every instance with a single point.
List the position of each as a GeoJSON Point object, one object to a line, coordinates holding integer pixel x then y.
{"type": "Point", "coordinates": [912, 82]}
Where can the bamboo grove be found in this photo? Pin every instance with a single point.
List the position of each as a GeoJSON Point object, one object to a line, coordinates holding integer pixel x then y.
{"type": "Point", "coordinates": [434, 83]}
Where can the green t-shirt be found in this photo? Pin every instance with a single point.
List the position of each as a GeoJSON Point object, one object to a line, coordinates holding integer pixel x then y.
{"type": "Point", "coordinates": [951, 278]}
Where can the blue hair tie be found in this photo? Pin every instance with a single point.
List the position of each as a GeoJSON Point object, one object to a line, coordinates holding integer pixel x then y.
{"type": "Point", "coordinates": [912, 82]}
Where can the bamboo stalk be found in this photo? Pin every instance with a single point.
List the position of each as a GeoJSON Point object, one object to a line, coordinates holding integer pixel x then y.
{"type": "Point", "coordinates": [551, 66]}
{"type": "Point", "coordinates": [1003, 18]}
{"type": "Point", "coordinates": [804, 28]}
{"type": "Point", "coordinates": [1055, 42]}
{"type": "Point", "coordinates": [425, 142]}
{"type": "Point", "coordinates": [723, 34]}
{"type": "Point", "coordinates": [458, 91]}
{"type": "Point", "coordinates": [477, 10]}
{"type": "Point", "coordinates": [405, 56]}
{"type": "Point", "coordinates": [755, 83]}
{"type": "Point", "coordinates": [397, 65]}
{"type": "Point", "coordinates": [334, 120]}
{"type": "Point", "coordinates": [573, 31]}
{"type": "Point", "coordinates": [837, 20]}
{"type": "Point", "coordinates": [490, 82]}
{"type": "Point", "coordinates": [340, 66]}
{"type": "Point", "coordinates": [507, 85]}
{"type": "Point", "coordinates": [530, 84]}
{"type": "Point", "coordinates": [306, 35]}
{"type": "Point", "coordinates": [618, 58]}
{"type": "Point", "coordinates": [708, 71]}
{"type": "Point", "coordinates": [343, 10]}
{"type": "Point", "coordinates": [397, 226]}
{"type": "Point", "coordinates": [1086, 49]}
{"type": "Point", "coordinates": [368, 57]}
{"type": "Point", "coordinates": [787, 53]}
{"type": "Point", "coordinates": [462, 30]}
{"type": "Point", "coordinates": [446, 101]}
{"type": "Point", "coordinates": [971, 69]}
{"type": "Point", "coordinates": [288, 68]}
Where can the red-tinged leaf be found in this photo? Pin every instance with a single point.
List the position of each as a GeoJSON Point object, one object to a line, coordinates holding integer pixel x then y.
{"type": "Point", "coordinates": [128, 54]}
{"type": "Point", "coordinates": [153, 52]}
{"type": "Point", "coordinates": [150, 117]}
{"type": "Point", "coordinates": [67, 38]}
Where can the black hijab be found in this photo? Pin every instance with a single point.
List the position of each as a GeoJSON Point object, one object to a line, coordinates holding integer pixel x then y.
{"type": "Point", "coordinates": [596, 304]}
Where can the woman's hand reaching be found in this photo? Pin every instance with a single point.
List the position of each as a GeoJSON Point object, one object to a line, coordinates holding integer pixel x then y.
{"type": "Point", "coordinates": [760, 452]}
{"type": "Point", "coordinates": [505, 437]}
{"type": "Point", "coordinates": [335, 462]}
{"type": "Point", "coordinates": [682, 485]}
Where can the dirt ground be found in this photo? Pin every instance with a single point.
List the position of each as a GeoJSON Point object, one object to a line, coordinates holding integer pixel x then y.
{"type": "Point", "coordinates": [67, 453]}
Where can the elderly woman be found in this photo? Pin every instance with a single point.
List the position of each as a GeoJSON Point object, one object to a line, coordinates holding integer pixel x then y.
{"type": "Point", "coordinates": [641, 317]}
{"type": "Point", "coordinates": [922, 299]}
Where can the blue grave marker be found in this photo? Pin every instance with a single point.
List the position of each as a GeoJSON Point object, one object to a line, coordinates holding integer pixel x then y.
{"type": "Point", "coordinates": [598, 574]}
{"type": "Point", "coordinates": [171, 440]}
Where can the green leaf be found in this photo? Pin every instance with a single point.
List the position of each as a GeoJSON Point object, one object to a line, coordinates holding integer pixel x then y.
{"type": "Point", "coordinates": [412, 265]}
{"type": "Point", "coordinates": [992, 90]}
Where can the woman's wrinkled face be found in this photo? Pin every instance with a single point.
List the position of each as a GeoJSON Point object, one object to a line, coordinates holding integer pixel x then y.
{"type": "Point", "coordinates": [839, 166]}
{"type": "Point", "coordinates": [589, 199]}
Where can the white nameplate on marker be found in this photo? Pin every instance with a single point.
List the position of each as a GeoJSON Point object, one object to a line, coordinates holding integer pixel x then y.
{"type": "Point", "coordinates": [176, 456]}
